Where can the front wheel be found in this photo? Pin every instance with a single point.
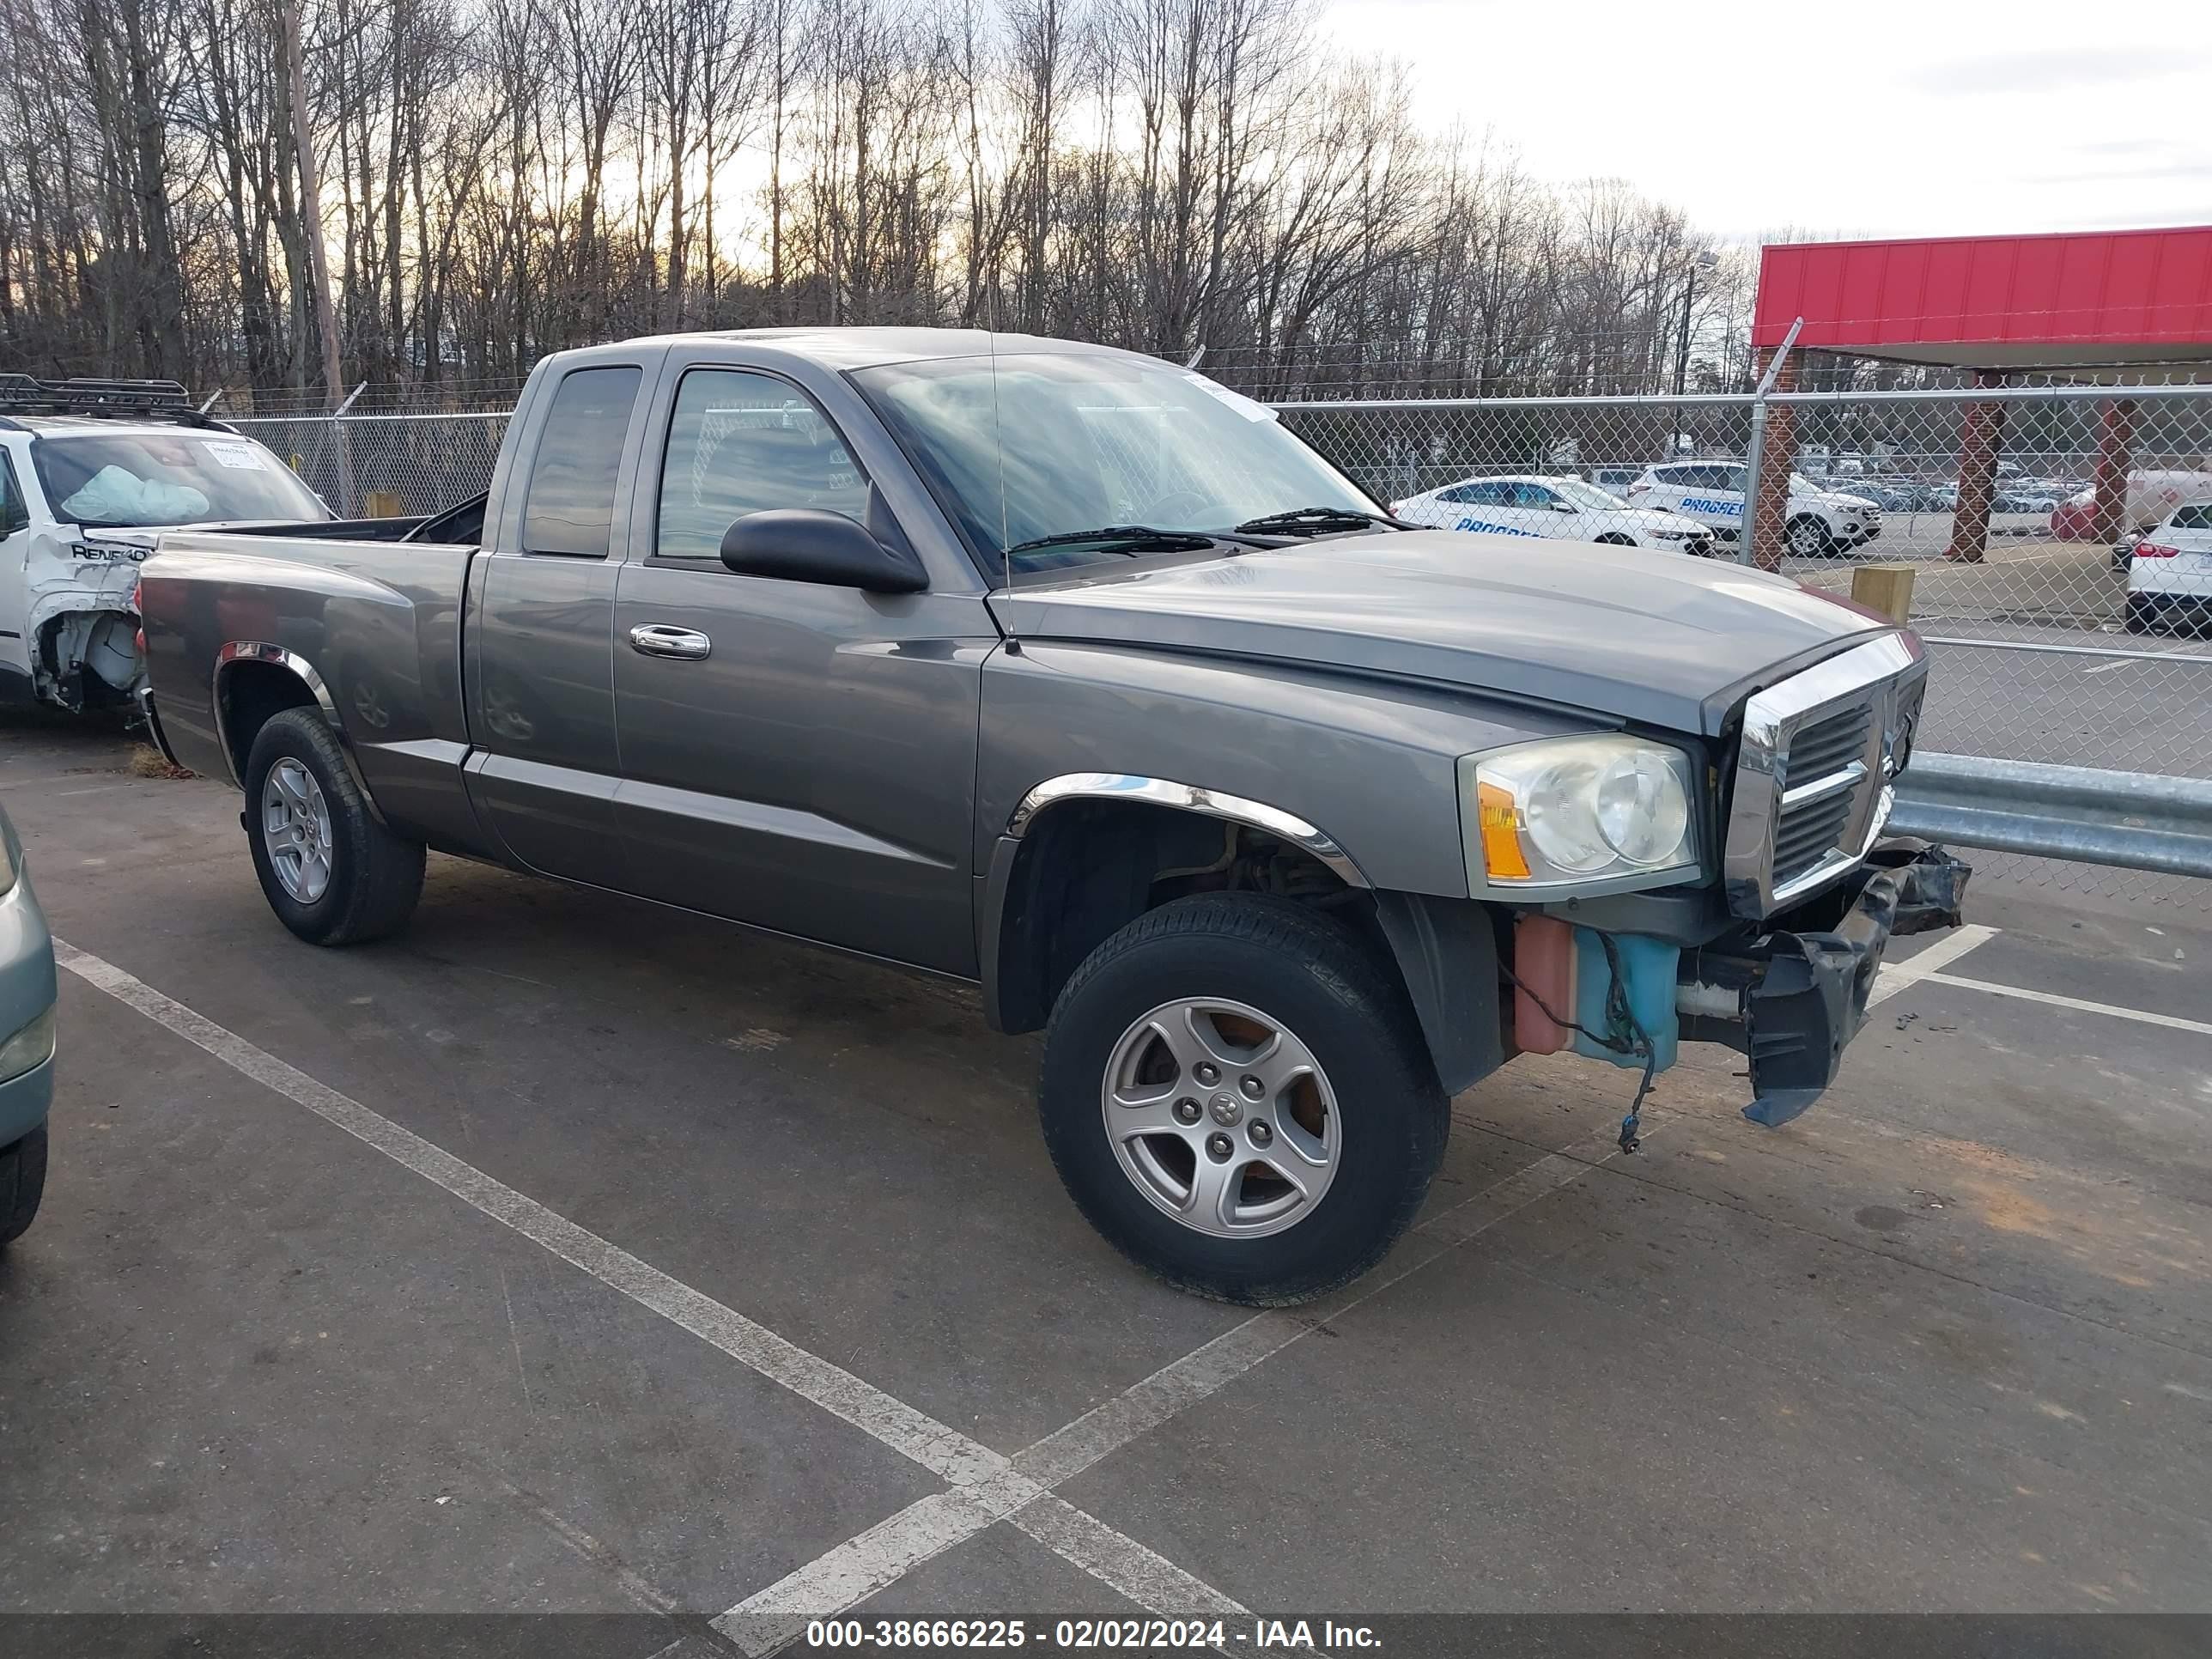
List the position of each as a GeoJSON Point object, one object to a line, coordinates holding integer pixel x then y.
{"type": "Point", "coordinates": [331, 870]}
{"type": "Point", "coordinates": [1237, 1096]}
{"type": "Point", "coordinates": [22, 1184]}
{"type": "Point", "coordinates": [1809, 538]}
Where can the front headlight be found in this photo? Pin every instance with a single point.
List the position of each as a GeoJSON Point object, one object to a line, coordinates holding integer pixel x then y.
{"type": "Point", "coordinates": [29, 1048]}
{"type": "Point", "coordinates": [1574, 810]}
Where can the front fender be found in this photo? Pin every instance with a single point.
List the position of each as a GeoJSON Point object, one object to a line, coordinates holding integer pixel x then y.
{"type": "Point", "coordinates": [1369, 768]}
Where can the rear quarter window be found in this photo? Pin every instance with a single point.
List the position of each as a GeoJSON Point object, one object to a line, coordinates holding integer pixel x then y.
{"type": "Point", "coordinates": [570, 506]}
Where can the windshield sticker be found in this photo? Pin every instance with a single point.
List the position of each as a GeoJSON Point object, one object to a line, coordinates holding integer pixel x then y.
{"type": "Point", "coordinates": [240, 456]}
{"type": "Point", "coordinates": [1237, 400]}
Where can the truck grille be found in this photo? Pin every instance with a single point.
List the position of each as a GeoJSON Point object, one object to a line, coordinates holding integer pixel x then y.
{"type": "Point", "coordinates": [1825, 745]}
{"type": "Point", "coordinates": [1825, 780]}
{"type": "Point", "coordinates": [1811, 792]}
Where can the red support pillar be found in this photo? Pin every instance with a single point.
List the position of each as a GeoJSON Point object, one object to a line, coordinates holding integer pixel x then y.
{"type": "Point", "coordinates": [2116, 433]}
{"type": "Point", "coordinates": [1766, 519]}
{"type": "Point", "coordinates": [1978, 477]}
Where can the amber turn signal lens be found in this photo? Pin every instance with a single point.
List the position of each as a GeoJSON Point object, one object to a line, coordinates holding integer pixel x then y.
{"type": "Point", "coordinates": [1501, 836]}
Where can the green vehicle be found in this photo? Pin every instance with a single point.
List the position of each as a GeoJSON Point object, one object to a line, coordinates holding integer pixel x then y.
{"type": "Point", "coordinates": [26, 1039]}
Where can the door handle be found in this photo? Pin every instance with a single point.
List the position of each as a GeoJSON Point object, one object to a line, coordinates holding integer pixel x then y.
{"type": "Point", "coordinates": [658, 640]}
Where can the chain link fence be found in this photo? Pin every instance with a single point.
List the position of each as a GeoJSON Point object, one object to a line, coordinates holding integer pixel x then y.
{"type": "Point", "coordinates": [2039, 527]}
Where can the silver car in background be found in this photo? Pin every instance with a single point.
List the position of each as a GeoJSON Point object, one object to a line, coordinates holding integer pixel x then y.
{"type": "Point", "coordinates": [27, 1039]}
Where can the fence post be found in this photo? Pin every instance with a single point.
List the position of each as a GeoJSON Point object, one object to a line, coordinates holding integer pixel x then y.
{"type": "Point", "coordinates": [1753, 546]}
{"type": "Point", "coordinates": [2115, 428]}
{"type": "Point", "coordinates": [341, 441]}
{"type": "Point", "coordinates": [1978, 476]}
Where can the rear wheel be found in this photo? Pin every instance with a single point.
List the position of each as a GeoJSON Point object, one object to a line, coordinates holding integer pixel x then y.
{"type": "Point", "coordinates": [2141, 615]}
{"type": "Point", "coordinates": [1236, 1096]}
{"type": "Point", "coordinates": [22, 1184]}
{"type": "Point", "coordinates": [332, 873]}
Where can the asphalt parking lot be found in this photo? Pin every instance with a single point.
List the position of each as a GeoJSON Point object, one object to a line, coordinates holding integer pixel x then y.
{"type": "Point", "coordinates": [567, 1255]}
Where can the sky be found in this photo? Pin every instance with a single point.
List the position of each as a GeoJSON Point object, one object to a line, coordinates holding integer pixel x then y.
{"type": "Point", "coordinates": [1874, 118]}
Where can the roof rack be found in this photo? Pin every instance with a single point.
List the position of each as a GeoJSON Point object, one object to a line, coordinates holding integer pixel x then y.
{"type": "Point", "coordinates": [144, 400]}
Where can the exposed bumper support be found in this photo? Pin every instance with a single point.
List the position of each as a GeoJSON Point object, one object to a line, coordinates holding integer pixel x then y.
{"type": "Point", "coordinates": [1793, 998]}
{"type": "Point", "coordinates": [143, 696]}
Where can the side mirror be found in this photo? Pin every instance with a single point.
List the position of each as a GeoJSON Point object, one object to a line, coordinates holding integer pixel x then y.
{"type": "Point", "coordinates": [808, 544]}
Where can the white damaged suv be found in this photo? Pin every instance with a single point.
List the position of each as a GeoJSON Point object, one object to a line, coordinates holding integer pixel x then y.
{"type": "Point", "coordinates": [1819, 522]}
{"type": "Point", "coordinates": [90, 472]}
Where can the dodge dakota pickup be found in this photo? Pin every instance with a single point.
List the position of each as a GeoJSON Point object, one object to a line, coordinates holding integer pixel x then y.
{"type": "Point", "coordinates": [1073, 674]}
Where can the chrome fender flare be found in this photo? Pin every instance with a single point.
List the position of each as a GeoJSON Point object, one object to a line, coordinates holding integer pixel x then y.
{"type": "Point", "coordinates": [1188, 798]}
{"type": "Point", "coordinates": [239, 651]}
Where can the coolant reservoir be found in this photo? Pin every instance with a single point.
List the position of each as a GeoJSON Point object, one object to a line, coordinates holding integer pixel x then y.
{"type": "Point", "coordinates": [1543, 962]}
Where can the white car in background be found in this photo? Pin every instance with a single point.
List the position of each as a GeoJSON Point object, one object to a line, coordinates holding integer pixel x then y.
{"type": "Point", "coordinates": [2170, 574]}
{"type": "Point", "coordinates": [1819, 522]}
{"type": "Point", "coordinates": [91, 471]}
{"type": "Point", "coordinates": [1555, 508]}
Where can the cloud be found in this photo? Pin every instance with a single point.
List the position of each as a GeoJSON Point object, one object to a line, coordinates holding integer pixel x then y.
{"type": "Point", "coordinates": [2054, 70]}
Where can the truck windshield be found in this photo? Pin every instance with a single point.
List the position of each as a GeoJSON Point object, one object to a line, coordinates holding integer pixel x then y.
{"type": "Point", "coordinates": [1023, 447]}
{"type": "Point", "coordinates": [114, 480]}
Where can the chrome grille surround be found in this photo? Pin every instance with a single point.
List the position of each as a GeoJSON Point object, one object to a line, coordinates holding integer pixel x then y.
{"type": "Point", "coordinates": [1794, 828]}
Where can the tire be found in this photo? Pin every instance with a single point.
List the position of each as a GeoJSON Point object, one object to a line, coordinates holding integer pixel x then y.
{"type": "Point", "coordinates": [2142, 616]}
{"type": "Point", "coordinates": [1322, 989]}
{"type": "Point", "coordinates": [22, 1183]}
{"type": "Point", "coordinates": [1809, 540]}
{"type": "Point", "coordinates": [371, 876]}
{"type": "Point", "coordinates": [1615, 538]}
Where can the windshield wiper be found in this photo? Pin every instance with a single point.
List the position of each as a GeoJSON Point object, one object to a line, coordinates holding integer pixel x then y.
{"type": "Point", "coordinates": [1131, 536]}
{"type": "Point", "coordinates": [1300, 520]}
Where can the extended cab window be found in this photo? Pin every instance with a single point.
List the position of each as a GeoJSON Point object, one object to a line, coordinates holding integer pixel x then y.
{"type": "Point", "coordinates": [739, 443]}
{"type": "Point", "coordinates": [572, 482]}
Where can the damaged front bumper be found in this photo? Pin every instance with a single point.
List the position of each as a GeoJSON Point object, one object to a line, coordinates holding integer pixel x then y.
{"type": "Point", "coordinates": [1792, 997]}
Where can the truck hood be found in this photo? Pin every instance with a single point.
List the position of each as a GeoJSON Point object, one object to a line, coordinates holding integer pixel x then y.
{"type": "Point", "coordinates": [1672, 643]}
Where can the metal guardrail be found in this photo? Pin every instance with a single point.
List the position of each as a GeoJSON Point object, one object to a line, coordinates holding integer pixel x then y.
{"type": "Point", "coordinates": [2135, 820]}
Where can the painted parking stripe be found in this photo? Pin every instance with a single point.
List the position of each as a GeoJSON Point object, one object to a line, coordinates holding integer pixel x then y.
{"type": "Point", "coordinates": [1104, 1429]}
{"type": "Point", "coordinates": [943, 1450]}
{"type": "Point", "coordinates": [2052, 999]}
{"type": "Point", "coordinates": [986, 1487]}
{"type": "Point", "coordinates": [856, 1568]}
{"type": "Point", "coordinates": [1135, 1571]}
{"type": "Point", "coordinates": [1896, 977]}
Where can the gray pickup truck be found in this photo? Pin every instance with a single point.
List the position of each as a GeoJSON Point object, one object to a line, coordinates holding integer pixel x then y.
{"type": "Point", "coordinates": [1073, 674]}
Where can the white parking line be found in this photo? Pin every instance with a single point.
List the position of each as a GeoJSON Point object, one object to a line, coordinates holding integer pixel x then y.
{"type": "Point", "coordinates": [1895, 976]}
{"type": "Point", "coordinates": [1136, 1572]}
{"type": "Point", "coordinates": [2052, 999]}
{"type": "Point", "coordinates": [987, 1486]}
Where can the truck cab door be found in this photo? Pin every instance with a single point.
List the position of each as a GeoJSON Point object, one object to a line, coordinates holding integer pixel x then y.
{"type": "Point", "coordinates": [536, 641]}
{"type": "Point", "coordinates": [796, 754]}
{"type": "Point", "coordinates": [16, 683]}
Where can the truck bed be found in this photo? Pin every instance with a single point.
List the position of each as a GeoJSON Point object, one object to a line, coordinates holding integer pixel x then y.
{"type": "Point", "coordinates": [374, 624]}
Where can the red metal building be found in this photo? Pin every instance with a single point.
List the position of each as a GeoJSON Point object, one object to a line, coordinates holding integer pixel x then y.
{"type": "Point", "coordinates": [2075, 304]}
